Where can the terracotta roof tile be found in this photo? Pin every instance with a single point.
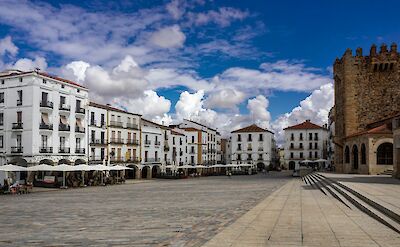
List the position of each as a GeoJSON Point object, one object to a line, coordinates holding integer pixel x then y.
{"type": "Point", "coordinates": [251, 128]}
{"type": "Point", "coordinates": [382, 129]}
{"type": "Point", "coordinates": [304, 125]}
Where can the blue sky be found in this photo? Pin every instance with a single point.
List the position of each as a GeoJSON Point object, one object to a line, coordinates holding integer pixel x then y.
{"type": "Point", "coordinates": [225, 63]}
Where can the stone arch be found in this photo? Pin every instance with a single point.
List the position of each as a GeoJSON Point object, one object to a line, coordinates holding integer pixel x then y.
{"type": "Point", "coordinates": [131, 174]}
{"type": "Point", "coordinates": [347, 155]}
{"type": "Point", "coordinates": [260, 166]}
{"type": "Point", "coordinates": [155, 171]}
{"type": "Point", "coordinates": [355, 161]}
{"type": "Point", "coordinates": [64, 161]}
{"type": "Point", "coordinates": [80, 161]}
{"type": "Point", "coordinates": [47, 162]}
{"type": "Point", "coordinates": [292, 165]}
{"type": "Point", "coordinates": [145, 170]}
{"type": "Point", "coordinates": [384, 154]}
{"type": "Point", "coordinates": [363, 154]}
{"type": "Point", "coordinates": [19, 162]}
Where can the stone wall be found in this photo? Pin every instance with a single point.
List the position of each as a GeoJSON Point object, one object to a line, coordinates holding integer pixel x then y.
{"type": "Point", "coordinates": [366, 88]}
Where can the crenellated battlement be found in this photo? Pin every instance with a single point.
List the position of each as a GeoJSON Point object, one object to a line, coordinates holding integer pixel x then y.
{"type": "Point", "coordinates": [386, 57]}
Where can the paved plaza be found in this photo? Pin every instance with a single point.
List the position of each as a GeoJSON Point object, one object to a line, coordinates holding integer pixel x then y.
{"type": "Point", "coordinates": [186, 212]}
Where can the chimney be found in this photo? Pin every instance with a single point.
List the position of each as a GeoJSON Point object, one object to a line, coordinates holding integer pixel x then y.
{"type": "Point", "coordinates": [372, 52]}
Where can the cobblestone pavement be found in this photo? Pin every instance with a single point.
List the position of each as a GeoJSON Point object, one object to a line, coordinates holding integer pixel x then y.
{"type": "Point", "coordinates": [158, 213]}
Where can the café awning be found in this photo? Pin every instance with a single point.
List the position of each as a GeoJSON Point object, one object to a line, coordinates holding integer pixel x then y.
{"type": "Point", "coordinates": [12, 168]}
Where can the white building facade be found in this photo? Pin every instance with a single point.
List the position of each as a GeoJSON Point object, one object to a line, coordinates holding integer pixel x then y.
{"type": "Point", "coordinates": [252, 145]}
{"type": "Point", "coordinates": [43, 119]}
{"type": "Point", "coordinates": [305, 141]}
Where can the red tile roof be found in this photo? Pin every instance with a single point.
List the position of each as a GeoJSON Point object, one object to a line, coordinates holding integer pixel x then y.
{"type": "Point", "coordinates": [176, 133]}
{"type": "Point", "coordinates": [110, 108]}
{"type": "Point", "coordinates": [304, 125]}
{"type": "Point", "coordinates": [18, 73]}
{"type": "Point", "coordinates": [382, 129]}
{"type": "Point", "coordinates": [251, 128]}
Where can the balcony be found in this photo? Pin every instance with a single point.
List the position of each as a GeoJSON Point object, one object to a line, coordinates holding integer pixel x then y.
{"type": "Point", "coordinates": [116, 124]}
{"type": "Point", "coordinates": [44, 126]}
{"type": "Point", "coordinates": [64, 150]}
{"type": "Point", "coordinates": [260, 149]}
{"type": "Point", "coordinates": [97, 142]}
{"type": "Point", "coordinates": [150, 160]}
{"type": "Point", "coordinates": [65, 107]}
{"type": "Point", "coordinates": [64, 127]}
{"type": "Point", "coordinates": [166, 148]}
{"type": "Point", "coordinates": [239, 140]}
{"type": "Point", "coordinates": [249, 158]}
{"type": "Point", "coordinates": [157, 143]}
{"type": "Point", "coordinates": [46, 104]}
{"type": "Point", "coordinates": [17, 126]}
{"type": "Point", "coordinates": [192, 152]}
{"type": "Point", "coordinates": [132, 126]}
{"type": "Point", "coordinates": [79, 129]}
{"type": "Point", "coordinates": [239, 149]}
{"type": "Point", "coordinates": [260, 158]}
{"type": "Point", "coordinates": [17, 150]}
{"type": "Point", "coordinates": [19, 102]}
{"type": "Point", "coordinates": [46, 150]}
{"type": "Point", "coordinates": [181, 153]}
{"type": "Point", "coordinates": [147, 142]}
{"type": "Point", "coordinates": [80, 151]}
{"type": "Point", "coordinates": [117, 159]}
{"type": "Point", "coordinates": [133, 159]}
{"type": "Point", "coordinates": [80, 110]}
{"type": "Point", "coordinates": [96, 158]}
{"type": "Point", "coordinates": [132, 142]}
{"type": "Point", "coordinates": [116, 141]}
{"type": "Point", "coordinates": [249, 149]}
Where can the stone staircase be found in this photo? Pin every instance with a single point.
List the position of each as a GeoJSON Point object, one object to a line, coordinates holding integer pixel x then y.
{"type": "Point", "coordinates": [354, 199]}
{"type": "Point", "coordinates": [387, 172]}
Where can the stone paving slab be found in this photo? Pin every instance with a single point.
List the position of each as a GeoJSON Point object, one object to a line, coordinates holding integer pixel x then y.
{"type": "Point", "coordinates": [297, 215]}
{"type": "Point", "coordinates": [177, 213]}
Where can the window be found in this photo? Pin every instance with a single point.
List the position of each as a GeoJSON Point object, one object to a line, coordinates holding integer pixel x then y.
{"type": "Point", "coordinates": [363, 154]}
{"type": "Point", "coordinates": [1, 119]}
{"type": "Point", "coordinates": [44, 141]}
{"type": "Point", "coordinates": [310, 155]}
{"type": "Point", "coordinates": [310, 145]}
{"type": "Point", "coordinates": [20, 79]}
{"type": "Point", "coordinates": [2, 97]}
{"type": "Point", "coordinates": [316, 136]}
{"type": "Point", "coordinates": [291, 155]}
{"type": "Point", "coordinates": [192, 139]}
{"type": "Point", "coordinates": [62, 101]}
{"type": "Point", "coordinates": [78, 143]}
{"type": "Point", "coordinates": [92, 118]}
{"type": "Point", "coordinates": [19, 140]}
{"type": "Point", "coordinates": [1, 142]}
{"type": "Point", "coordinates": [301, 136]}
{"type": "Point", "coordinates": [260, 138]}
{"type": "Point", "coordinates": [239, 146]}
{"type": "Point", "coordinates": [62, 86]}
{"type": "Point", "coordinates": [249, 138]}
{"type": "Point", "coordinates": [19, 97]}
{"type": "Point", "coordinates": [316, 155]}
{"type": "Point", "coordinates": [19, 117]}
{"type": "Point", "coordinates": [2, 82]}
{"type": "Point", "coordinates": [292, 137]}
{"type": "Point", "coordinates": [301, 155]}
{"type": "Point", "coordinates": [173, 140]}
{"type": "Point", "coordinates": [102, 119]}
{"type": "Point", "coordinates": [384, 154]}
{"type": "Point", "coordinates": [62, 142]}
{"type": "Point", "coordinates": [301, 145]}
{"type": "Point", "coordinates": [310, 136]}
{"type": "Point", "coordinates": [316, 145]}
{"type": "Point", "coordinates": [78, 104]}
{"type": "Point", "coordinates": [78, 90]}
{"type": "Point", "coordinates": [93, 136]}
{"type": "Point", "coordinates": [44, 97]}
{"type": "Point", "coordinates": [239, 156]}
{"type": "Point", "coordinates": [347, 155]}
{"type": "Point", "coordinates": [44, 81]}
{"type": "Point", "coordinates": [291, 145]}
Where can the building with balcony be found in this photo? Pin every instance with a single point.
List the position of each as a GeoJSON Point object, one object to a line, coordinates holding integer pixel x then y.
{"type": "Point", "coordinates": [305, 141]}
{"type": "Point", "coordinates": [252, 145]}
{"type": "Point", "coordinates": [114, 135]}
{"type": "Point", "coordinates": [43, 119]}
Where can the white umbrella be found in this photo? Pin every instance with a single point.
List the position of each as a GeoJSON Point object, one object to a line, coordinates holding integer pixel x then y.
{"type": "Point", "coordinates": [321, 160]}
{"type": "Point", "coordinates": [100, 168]}
{"type": "Point", "coordinates": [119, 168]}
{"type": "Point", "coordinates": [83, 167]}
{"type": "Point", "coordinates": [186, 167]}
{"type": "Point", "coordinates": [200, 166]}
{"type": "Point", "coordinates": [64, 168]}
{"type": "Point", "coordinates": [12, 168]}
{"type": "Point", "coordinates": [41, 167]}
{"type": "Point", "coordinates": [306, 161]}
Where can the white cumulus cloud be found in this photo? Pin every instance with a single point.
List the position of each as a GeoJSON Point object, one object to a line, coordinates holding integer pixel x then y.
{"type": "Point", "coordinates": [168, 37]}
{"type": "Point", "coordinates": [258, 110]}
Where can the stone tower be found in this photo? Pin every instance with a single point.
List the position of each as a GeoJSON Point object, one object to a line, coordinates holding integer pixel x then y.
{"type": "Point", "coordinates": [367, 89]}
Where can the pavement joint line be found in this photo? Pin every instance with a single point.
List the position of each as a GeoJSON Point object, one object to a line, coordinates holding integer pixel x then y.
{"type": "Point", "coordinates": [280, 213]}
{"type": "Point", "coordinates": [330, 226]}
